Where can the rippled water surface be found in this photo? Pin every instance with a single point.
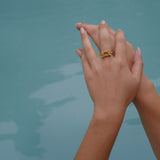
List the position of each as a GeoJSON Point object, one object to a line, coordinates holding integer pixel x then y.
{"type": "Point", "coordinates": [45, 108]}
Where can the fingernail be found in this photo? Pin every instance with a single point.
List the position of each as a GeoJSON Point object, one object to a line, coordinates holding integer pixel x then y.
{"type": "Point", "coordinates": [78, 52]}
{"type": "Point", "coordinates": [82, 30]}
{"type": "Point", "coordinates": [103, 22]}
{"type": "Point", "coordinates": [77, 24]}
{"type": "Point", "coordinates": [139, 51]}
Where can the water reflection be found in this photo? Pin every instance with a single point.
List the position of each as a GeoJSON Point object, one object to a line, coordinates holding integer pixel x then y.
{"type": "Point", "coordinates": [53, 92]}
{"type": "Point", "coordinates": [8, 128]}
{"type": "Point", "coordinates": [23, 116]}
{"type": "Point", "coordinates": [22, 123]}
{"type": "Point", "coordinates": [67, 98]}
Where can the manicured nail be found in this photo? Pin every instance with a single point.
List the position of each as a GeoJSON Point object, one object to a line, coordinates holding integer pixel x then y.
{"type": "Point", "coordinates": [82, 30]}
{"type": "Point", "coordinates": [103, 22]}
{"type": "Point", "coordinates": [77, 24]}
{"type": "Point", "coordinates": [139, 51]}
{"type": "Point", "coordinates": [78, 52]}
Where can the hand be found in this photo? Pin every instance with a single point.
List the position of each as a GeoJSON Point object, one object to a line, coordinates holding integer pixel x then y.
{"type": "Point", "coordinates": [110, 81]}
{"type": "Point", "coordinates": [93, 30]}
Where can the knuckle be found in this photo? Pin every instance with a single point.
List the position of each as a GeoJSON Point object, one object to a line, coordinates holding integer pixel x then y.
{"type": "Point", "coordinates": [130, 46]}
{"type": "Point", "coordinates": [97, 68]}
{"type": "Point", "coordinates": [120, 36]}
{"type": "Point", "coordinates": [84, 25]}
{"type": "Point", "coordinates": [93, 31]}
{"type": "Point", "coordinates": [83, 57]}
{"type": "Point", "coordinates": [108, 64]}
{"type": "Point", "coordinates": [111, 31]}
{"type": "Point", "coordinates": [83, 37]}
{"type": "Point", "coordinates": [106, 37]}
{"type": "Point", "coordinates": [120, 63]}
{"type": "Point", "coordinates": [120, 32]}
{"type": "Point", "coordinates": [86, 45]}
{"type": "Point", "coordinates": [87, 49]}
{"type": "Point", "coordinates": [88, 77]}
{"type": "Point", "coordinates": [112, 39]}
{"type": "Point", "coordinates": [103, 27]}
{"type": "Point", "coordinates": [121, 40]}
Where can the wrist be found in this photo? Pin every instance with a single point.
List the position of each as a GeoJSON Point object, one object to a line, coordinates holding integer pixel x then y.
{"type": "Point", "coordinates": [112, 114]}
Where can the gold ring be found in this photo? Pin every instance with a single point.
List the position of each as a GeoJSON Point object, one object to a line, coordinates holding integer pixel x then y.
{"type": "Point", "coordinates": [106, 53]}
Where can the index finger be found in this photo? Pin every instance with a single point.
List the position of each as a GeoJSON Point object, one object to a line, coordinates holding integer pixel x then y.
{"type": "Point", "coordinates": [91, 54]}
{"type": "Point", "coordinates": [93, 32]}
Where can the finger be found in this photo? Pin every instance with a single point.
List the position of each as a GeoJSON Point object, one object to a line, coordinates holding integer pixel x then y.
{"type": "Point", "coordinates": [138, 64]}
{"type": "Point", "coordinates": [121, 47]}
{"type": "Point", "coordinates": [90, 53]}
{"type": "Point", "coordinates": [92, 31]}
{"type": "Point", "coordinates": [85, 64]}
{"type": "Point", "coordinates": [130, 49]}
{"type": "Point", "coordinates": [106, 41]}
{"type": "Point", "coordinates": [87, 27]}
{"type": "Point", "coordinates": [130, 55]}
{"type": "Point", "coordinates": [112, 32]}
{"type": "Point", "coordinates": [79, 52]}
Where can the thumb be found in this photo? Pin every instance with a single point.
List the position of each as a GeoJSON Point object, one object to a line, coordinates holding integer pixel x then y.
{"type": "Point", "coordinates": [79, 52]}
{"type": "Point", "coordinates": [137, 64]}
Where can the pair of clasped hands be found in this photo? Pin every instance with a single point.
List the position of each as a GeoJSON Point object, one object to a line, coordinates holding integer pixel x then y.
{"type": "Point", "coordinates": [113, 83]}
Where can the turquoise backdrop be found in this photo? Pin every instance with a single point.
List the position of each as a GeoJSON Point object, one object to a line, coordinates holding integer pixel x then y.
{"type": "Point", "coordinates": [45, 108]}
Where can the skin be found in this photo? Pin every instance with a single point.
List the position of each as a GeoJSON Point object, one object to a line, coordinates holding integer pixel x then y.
{"type": "Point", "coordinates": [146, 100]}
{"type": "Point", "coordinates": [112, 85]}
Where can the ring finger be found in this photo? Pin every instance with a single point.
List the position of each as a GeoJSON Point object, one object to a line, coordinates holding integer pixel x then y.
{"type": "Point", "coordinates": [105, 38]}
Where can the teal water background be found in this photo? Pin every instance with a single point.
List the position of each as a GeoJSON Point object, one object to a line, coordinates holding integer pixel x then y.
{"type": "Point", "coordinates": [45, 108]}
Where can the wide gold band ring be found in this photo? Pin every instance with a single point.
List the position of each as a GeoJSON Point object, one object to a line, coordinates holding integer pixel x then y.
{"type": "Point", "coordinates": [106, 53]}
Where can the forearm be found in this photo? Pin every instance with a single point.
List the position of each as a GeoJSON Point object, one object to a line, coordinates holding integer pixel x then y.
{"type": "Point", "coordinates": [148, 105]}
{"type": "Point", "coordinates": [100, 137]}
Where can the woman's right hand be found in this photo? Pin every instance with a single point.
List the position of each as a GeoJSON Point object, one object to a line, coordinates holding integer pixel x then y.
{"type": "Point", "coordinates": [110, 81]}
{"type": "Point", "coordinates": [93, 32]}
{"type": "Point", "coordinates": [147, 100]}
